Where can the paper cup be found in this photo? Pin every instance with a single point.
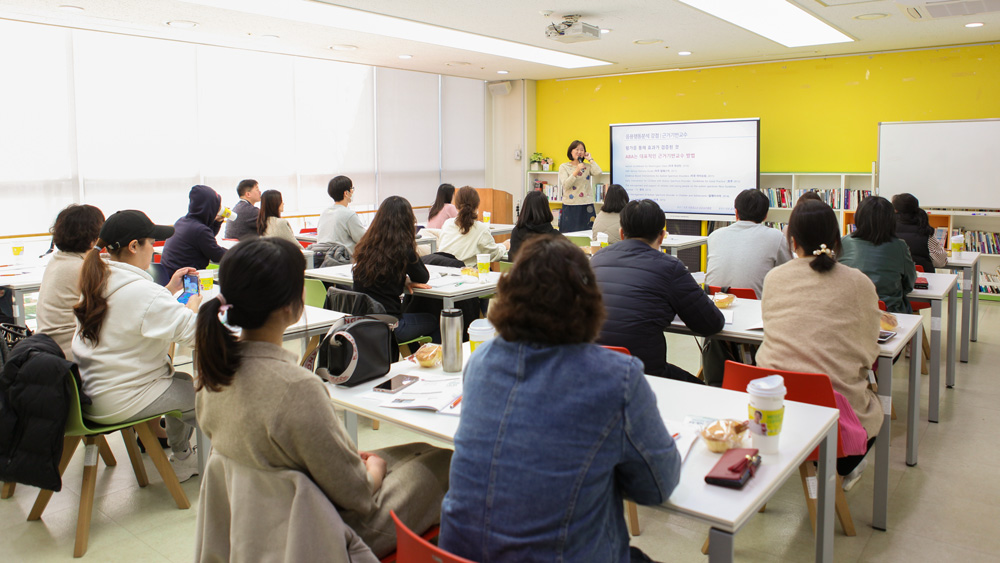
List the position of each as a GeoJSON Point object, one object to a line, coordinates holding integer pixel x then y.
{"type": "Point", "coordinates": [483, 263]}
{"type": "Point", "coordinates": [480, 331]}
{"type": "Point", "coordinates": [957, 243]}
{"type": "Point", "coordinates": [603, 239]}
{"type": "Point", "coordinates": [206, 278]}
{"type": "Point", "coordinates": [766, 412]}
{"type": "Point", "coordinates": [486, 217]}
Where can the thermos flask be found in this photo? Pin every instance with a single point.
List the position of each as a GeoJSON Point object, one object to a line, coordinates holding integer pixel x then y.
{"type": "Point", "coordinates": [451, 340]}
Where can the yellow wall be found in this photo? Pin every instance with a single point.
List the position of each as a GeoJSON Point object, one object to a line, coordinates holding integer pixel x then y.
{"type": "Point", "coordinates": [816, 116]}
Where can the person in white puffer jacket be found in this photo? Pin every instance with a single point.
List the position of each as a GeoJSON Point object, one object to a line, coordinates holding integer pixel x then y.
{"type": "Point", "coordinates": [125, 325]}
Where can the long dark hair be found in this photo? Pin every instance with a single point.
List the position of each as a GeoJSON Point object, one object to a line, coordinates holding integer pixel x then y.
{"type": "Point", "coordinates": [261, 275]}
{"type": "Point", "coordinates": [813, 225]}
{"type": "Point", "coordinates": [380, 256]}
{"type": "Point", "coordinates": [444, 195]}
{"type": "Point", "coordinates": [534, 210]}
{"type": "Point", "coordinates": [615, 199]}
{"type": "Point", "coordinates": [467, 202]}
{"type": "Point", "coordinates": [93, 305]}
{"type": "Point", "coordinates": [270, 205]}
{"type": "Point", "coordinates": [909, 213]}
{"type": "Point", "coordinates": [875, 220]}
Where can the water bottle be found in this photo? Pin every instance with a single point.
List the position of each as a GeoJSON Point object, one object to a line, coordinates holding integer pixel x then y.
{"type": "Point", "coordinates": [451, 340]}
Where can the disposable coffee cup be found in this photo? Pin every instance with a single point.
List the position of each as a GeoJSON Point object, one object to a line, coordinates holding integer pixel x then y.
{"type": "Point", "coordinates": [483, 263]}
{"type": "Point", "coordinates": [603, 239]}
{"type": "Point", "coordinates": [206, 278]}
{"type": "Point", "coordinates": [766, 412]}
{"type": "Point", "coordinates": [480, 331]}
{"type": "Point", "coordinates": [486, 217]}
{"type": "Point", "coordinates": [957, 242]}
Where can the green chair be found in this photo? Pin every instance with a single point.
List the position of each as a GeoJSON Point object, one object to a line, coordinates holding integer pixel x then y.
{"type": "Point", "coordinates": [315, 293]}
{"type": "Point", "coordinates": [580, 241]}
{"type": "Point", "coordinates": [76, 429]}
{"type": "Point", "coordinates": [504, 266]}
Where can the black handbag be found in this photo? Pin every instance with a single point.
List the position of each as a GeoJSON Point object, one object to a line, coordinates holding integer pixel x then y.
{"type": "Point", "coordinates": [356, 349]}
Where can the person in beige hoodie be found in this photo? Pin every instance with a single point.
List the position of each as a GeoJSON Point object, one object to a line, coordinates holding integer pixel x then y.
{"type": "Point", "coordinates": [74, 233]}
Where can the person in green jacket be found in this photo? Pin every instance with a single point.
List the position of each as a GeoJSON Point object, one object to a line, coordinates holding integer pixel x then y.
{"type": "Point", "coordinates": [874, 249]}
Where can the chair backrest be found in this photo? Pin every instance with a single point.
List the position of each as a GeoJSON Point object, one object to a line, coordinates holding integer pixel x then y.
{"type": "Point", "coordinates": [741, 292]}
{"type": "Point", "coordinates": [315, 293]}
{"type": "Point", "coordinates": [580, 241]}
{"type": "Point", "coordinates": [307, 230]}
{"type": "Point", "coordinates": [881, 305]}
{"type": "Point", "coordinates": [411, 548]}
{"type": "Point", "coordinates": [919, 268]}
{"type": "Point", "coordinates": [503, 266]}
{"type": "Point", "coordinates": [619, 349]}
{"type": "Point", "coordinates": [812, 388]}
{"type": "Point", "coordinates": [352, 302]}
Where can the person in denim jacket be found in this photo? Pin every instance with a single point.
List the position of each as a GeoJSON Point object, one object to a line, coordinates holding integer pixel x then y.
{"type": "Point", "coordinates": [556, 431]}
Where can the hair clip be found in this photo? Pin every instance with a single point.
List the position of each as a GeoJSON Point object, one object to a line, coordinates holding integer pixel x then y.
{"type": "Point", "coordinates": [823, 250]}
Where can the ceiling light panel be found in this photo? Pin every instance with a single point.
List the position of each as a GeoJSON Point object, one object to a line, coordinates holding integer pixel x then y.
{"type": "Point", "coordinates": [777, 20]}
{"type": "Point", "coordinates": [322, 13]}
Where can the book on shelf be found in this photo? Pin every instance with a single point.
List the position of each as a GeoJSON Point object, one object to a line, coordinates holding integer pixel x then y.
{"type": "Point", "coordinates": [980, 241]}
{"type": "Point", "coordinates": [989, 283]}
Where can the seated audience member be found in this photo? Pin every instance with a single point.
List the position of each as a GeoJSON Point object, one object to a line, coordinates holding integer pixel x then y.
{"type": "Point", "coordinates": [914, 228]}
{"type": "Point", "coordinates": [262, 410]}
{"type": "Point", "coordinates": [535, 219]}
{"type": "Point", "coordinates": [741, 254]}
{"type": "Point", "coordinates": [269, 221]}
{"type": "Point", "coordinates": [126, 325]}
{"type": "Point", "coordinates": [822, 317]}
{"type": "Point", "coordinates": [608, 221]}
{"type": "Point", "coordinates": [442, 209]}
{"type": "Point", "coordinates": [386, 262]}
{"type": "Point", "coordinates": [74, 233]}
{"type": "Point", "coordinates": [193, 244]}
{"type": "Point", "coordinates": [644, 288]}
{"type": "Point", "coordinates": [537, 477]}
{"type": "Point", "coordinates": [874, 249]}
{"type": "Point", "coordinates": [339, 223]}
{"type": "Point", "coordinates": [244, 225]}
{"type": "Point", "coordinates": [465, 236]}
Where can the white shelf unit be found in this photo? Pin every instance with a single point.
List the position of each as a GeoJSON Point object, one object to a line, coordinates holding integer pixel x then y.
{"type": "Point", "coordinates": [554, 192]}
{"type": "Point", "coordinates": [973, 224]}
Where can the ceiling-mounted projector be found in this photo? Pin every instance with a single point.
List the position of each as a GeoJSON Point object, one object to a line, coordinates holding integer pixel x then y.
{"type": "Point", "coordinates": [572, 30]}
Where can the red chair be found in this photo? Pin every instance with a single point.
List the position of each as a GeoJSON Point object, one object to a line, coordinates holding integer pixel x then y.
{"type": "Point", "coordinates": [411, 548]}
{"type": "Point", "coordinates": [156, 255]}
{"type": "Point", "coordinates": [741, 292]}
{"type": "Point", "coordinates": [812, 388]}
{"type": "Point", "coordinates": [307, 231]}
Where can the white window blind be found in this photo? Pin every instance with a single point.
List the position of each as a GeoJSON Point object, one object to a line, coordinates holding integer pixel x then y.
{"type": "Point", "coordinates": [463, 134]}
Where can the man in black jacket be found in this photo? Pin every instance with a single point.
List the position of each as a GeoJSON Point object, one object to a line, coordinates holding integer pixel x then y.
{"type": "Point", "coordinates": [643, 289]}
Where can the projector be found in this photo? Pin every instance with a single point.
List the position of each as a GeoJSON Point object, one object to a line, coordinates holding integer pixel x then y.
{"type": "Point", "coordinates": [572, 30]}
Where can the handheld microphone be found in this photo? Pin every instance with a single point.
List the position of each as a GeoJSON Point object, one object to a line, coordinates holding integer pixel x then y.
{"type": "Point", "coordinates": [580, 160]}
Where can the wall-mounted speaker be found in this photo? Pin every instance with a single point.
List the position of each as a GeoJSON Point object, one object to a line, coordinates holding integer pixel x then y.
{"type": "Point", "coordinates": [499, 88]}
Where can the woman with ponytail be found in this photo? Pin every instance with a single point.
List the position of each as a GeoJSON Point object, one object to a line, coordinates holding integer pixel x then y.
{"type": "Point", "coordinates": [262, 410]}
{"type": "Point", "coordinates": [821, 316]}
{"type": "Point", "coordinates": [465, 236]}
{"type": "Point", "coordinates": [269, 221]}
{"type": "Point", "coordinates": [125, 325]}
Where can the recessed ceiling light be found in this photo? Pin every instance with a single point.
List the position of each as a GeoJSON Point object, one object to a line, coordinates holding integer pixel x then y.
{"type": "Point", "coordinates": [777, 20]}
{"type": "Point", "coordinates": [324, 14]}
{"type": "Point", "coordinates": [872, 16]}
{"type": "Point", "coordinates": [501, 72]}
{"type": "Point", "coordinates": [647, 41]}
{"type": "Point", "coordinates": [974, 24]}
{"type": "Point", "coordinates": [67, 8]}
{"type": "Point", "coordinates": [683, 53]}
{"type": "Point", "coordinates": [344, 47]}
{"type": "Point", "coordinates": [606, 30]}
{"type": "Point", "coordinates": [457, 63]}
{"type": "Point", "coordinates": [182, 24]}
{"type": "Point", "coordinates": [406, 56]}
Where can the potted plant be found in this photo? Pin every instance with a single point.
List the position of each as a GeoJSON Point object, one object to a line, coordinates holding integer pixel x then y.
{"type": "Point", "coordinates": [536, 161]}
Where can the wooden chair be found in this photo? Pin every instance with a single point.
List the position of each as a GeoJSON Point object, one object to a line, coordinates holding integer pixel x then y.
{"type": "Point", "coordinates": [812, 388]}
{"type": "Point", "coordinates": [631, 510]}
{"type": "Point", "coordinates": [411, 548]}
{"type": "Point", "coordinates": [102, 446]}
{"type": "Point", "coordinates": [79, 429]}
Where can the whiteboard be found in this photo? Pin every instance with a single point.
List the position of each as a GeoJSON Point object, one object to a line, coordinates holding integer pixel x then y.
{"type": "Point", "coordinates": [943, 163]}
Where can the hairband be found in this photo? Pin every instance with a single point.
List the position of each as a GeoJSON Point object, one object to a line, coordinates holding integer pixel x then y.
{"type": "Point", "coordinates": [823, 250]}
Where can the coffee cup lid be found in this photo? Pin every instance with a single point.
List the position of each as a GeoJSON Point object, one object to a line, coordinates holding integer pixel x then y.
{"type": "Point", "coordinates": [770, 386]}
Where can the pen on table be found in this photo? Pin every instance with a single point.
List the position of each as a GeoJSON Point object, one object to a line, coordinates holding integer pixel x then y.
{"type": "Point", "coordinates": [675, 436]}
{"type": "Point", "coordinates": [455, 402]}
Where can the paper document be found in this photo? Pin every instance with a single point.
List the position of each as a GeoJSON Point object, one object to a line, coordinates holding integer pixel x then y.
{"type": "Point", "coordinates": [728, 315]}
{"type": "Point", "coordinates": [685, 434]}
{"type": "Point", "coordinates": [441, 395]}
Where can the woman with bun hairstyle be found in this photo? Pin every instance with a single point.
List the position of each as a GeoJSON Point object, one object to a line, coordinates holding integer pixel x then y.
{"type": "Point", "coordinates": [576, 181]}
{"type": "Point", "coordinates": [465, 236]}
{"type": "Point", "coordinates": [913, 227]}
{"type": "Point", "coordinates": [874, 249]}
{"type": "Point", "coordinates": [386, 264]}
{"type": "Point", "coordinates": [264, 411]}
{"type": "Point", "coordinates": [126, 324]}
{"type": "Point", "coordinates": [442, 210]}
{"type": "Point", "coordinates": [821, 316]}
{"type": "Point", "coordinates": [269, 221]}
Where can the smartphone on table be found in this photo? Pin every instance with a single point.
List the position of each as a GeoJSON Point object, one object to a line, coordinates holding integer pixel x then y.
{"type": "Point", "coordinates": [395, 384]}
{"type": "Point", "coordinates": [191, 287]}
{"type": "Point", "coordinates": [885, 335]}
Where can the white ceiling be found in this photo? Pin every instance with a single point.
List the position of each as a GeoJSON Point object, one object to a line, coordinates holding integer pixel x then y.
{"type": "Point", "coordinates": [681, 28]}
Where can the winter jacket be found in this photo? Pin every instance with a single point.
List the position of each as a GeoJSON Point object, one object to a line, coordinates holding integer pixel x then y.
{"type": "Point", "coordinates": [35, 397]}
{"type": "Point", "coordinates": [193, 244]}
{"type": "Point", "coordinates": [643, 289]}
{"type": "Point", "coordinates": [916, 241]}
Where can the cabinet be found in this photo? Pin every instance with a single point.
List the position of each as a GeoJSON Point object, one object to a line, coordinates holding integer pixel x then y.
{"type": "Point", "coordinates": [500, 204]}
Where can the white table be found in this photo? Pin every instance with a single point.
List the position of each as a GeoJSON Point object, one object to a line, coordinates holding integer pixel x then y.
{"type": "Point", "coordinates": [459, 291]}
{"type": "Point", "coordinates": [939, 288]}
{"type": "Point", "coordinates": [726, 511]}
{"type": "Point", "coordinates": [968, 262]}
{"type": "Point", "coordinates": [422, 238]}
{"type": "Point", "coordinates": [497, 229]}
{"type": "Point", "coordinates": [747, 314]}
{"type": "Point", "coordinates": [672, 243]}
{"type": "Point", "coordinates": [20, 281]}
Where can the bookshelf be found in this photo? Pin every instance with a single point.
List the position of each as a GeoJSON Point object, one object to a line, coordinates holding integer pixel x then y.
{"type": "Point", "coordinates": [550, 178]}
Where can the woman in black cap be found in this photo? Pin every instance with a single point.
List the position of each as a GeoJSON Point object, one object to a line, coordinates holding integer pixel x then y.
{"type": "Point", "coordinates": [126, 325]}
